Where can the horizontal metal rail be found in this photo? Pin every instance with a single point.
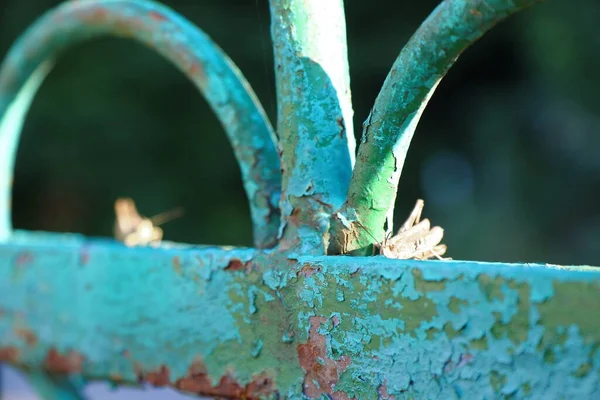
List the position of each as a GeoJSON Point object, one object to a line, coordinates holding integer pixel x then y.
{"type": "Point", "coordinates": [245, 323]}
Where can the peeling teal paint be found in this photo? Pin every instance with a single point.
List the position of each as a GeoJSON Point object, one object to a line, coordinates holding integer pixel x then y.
{"type": "Point", "coordinates": [290, 322]}
{"type": "Point", "coordinates": [314, 115]}
{"type": "Point", "coordinates": [188, 48]}
{"type": "Point", "coordinates": [388, 130]}
{"type": "Point", "coordinates": [409, 328]}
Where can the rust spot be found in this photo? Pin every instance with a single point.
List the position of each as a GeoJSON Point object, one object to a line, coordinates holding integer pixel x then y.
{"type": "Point", "coordinates": [295, 217]}
{"type": "Point", "coordinates": [335, 320]}
{"type": "Point", "coordinates": [475, 12]}
{"type": "Point", "coordinates": [84, 257]}
{"type": "Point", "coordinates": [180, 53]}
{"type": "Point", "coordinates": [157, 16]}
{"type": "Point", "coordinates": [97, 15]}
{"type": "Point", "coordinates": [197, 367]}
{"type": "Point", "coordinates": [195, 69]}
{"type": "Point", "coordinates": [464, 360]}
{"type": "Point", "coordinates": [261, 385]}
{"type": "Point", "coordinates": [159, 377]}
{"type": "Point", "coordinates": [27, 335]}
{"type": "Point", "coordinates": [63, 364]}
{"type": "Point", "coordinates": [308, 270]}
{"type": "Point", "coordinates": [341, 396]}
{"type": "Point", "coordinates": [383, 394]}
{"type": "Point", "coordinates": [235, 265]}
{"type": "Point", "coordinates": [9, 354]}
{"type": "Point", "coordinates": [321, 373]}
{"type": "Point", "coordinates": [177, 265]}
{"type": "Point", "coordinates": [198, 382]}
{"type": "Point", "coordinates": [23, 259]}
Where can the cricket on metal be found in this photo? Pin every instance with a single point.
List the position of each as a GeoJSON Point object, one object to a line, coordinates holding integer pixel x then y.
{"type": "Point", "coordinates": [134, 229]}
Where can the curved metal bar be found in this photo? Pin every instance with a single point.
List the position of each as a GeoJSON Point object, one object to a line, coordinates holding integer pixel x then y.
{"type": "Point", "coordinates": [450, 29]}
{"type": "Point", "coordinates": [189, 48]}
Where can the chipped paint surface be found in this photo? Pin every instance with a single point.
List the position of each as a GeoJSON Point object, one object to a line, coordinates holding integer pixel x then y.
{"type": "Point", "coordinates": [314, 115]}
{"type": "Point", "coordinates": [245, 323]}
{"type": "Point", "coordinates": [178, 40]}
{"type": "Point", "coordinates": [286, 324]}
{"type": "Point", "coordinates": [448, 31]}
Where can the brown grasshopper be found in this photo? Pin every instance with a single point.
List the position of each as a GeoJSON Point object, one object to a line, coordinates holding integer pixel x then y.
{"type": "Point", "coordinates": [135, 230]}
{"type": "Point", "coordinates": [415, 239]}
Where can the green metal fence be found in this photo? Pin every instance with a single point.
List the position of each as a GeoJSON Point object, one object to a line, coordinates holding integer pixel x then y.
{"type": "Point", "coordinates": [308, 312]}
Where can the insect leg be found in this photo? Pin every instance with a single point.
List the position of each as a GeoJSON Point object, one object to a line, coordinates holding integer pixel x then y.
{"type": "Point", "coordinates": [414, 216]}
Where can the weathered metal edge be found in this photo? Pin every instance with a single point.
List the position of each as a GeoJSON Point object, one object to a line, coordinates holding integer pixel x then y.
{"type": "Point", "coordinates": [244, 323]}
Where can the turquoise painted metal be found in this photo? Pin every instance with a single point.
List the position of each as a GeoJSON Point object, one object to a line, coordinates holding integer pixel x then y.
{"type": "Point", "coordinates": [388, 130]}
{"type": "Point", "coordinates": [314, 120]}
{"type": "Point", "coordinates": [286, 320]}
{"type": "Point", "coordinates": [188, 48]}
{"type": "Point", "coordinates": [250, 324]}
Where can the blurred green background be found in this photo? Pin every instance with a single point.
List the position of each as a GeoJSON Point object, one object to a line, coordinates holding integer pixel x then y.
{"type": "Point", "coordinates": [507, 154]}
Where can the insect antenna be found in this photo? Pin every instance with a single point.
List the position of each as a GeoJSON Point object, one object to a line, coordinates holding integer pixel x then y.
{"type": "Point", "coordinates": [377, 242]}
{"type": "Point", "coordinates": [167, 216]}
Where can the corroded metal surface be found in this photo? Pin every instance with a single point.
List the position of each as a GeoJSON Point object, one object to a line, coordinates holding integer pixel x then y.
{"type": "Point", "coordinates": [243, 323]}
{"type": "Point", "coordinates": [261, 324]}
{"type": "Point", "coordinates": [188, 48]}
{"type": "Point", "coordinates": [388, 130]}
{"type": "Point", "coordinates": [314, 115]}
